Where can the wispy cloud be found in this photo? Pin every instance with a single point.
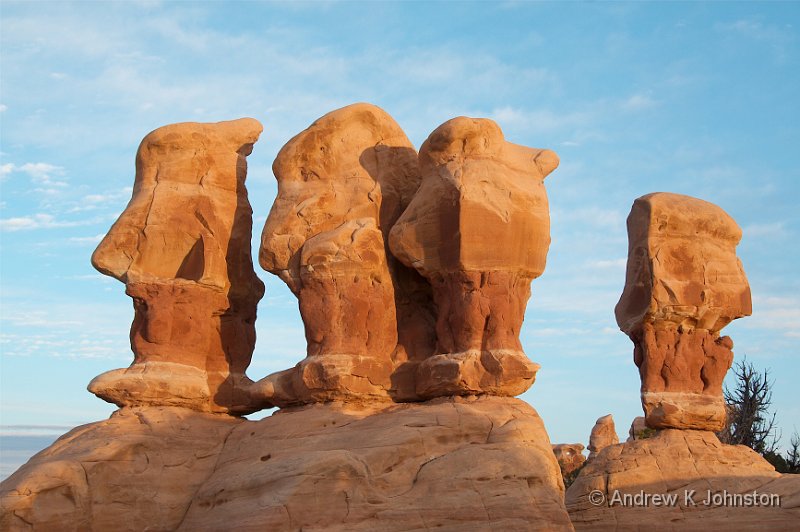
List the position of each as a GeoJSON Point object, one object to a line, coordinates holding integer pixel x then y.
{"type": "Point", "coordinates": [44, 174]}
{"type": "Point", "coordinates": [614, 264]}
{"type": "Point", "coordinates": [638, 102]}
{"type": "Point", "coordinates": [87, 239]}
{"type": "Point", "coordinates": [773, 229]}
{"type": "Point", "coordinates": [37, 221]}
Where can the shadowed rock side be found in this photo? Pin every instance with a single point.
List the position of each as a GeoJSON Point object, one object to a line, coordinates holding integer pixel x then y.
{"type": "Point", "coordinates": [182, 248]}
{"type": "Point", "coordinates": [683, 284]}
{"type": "Point", "coordinates": [450, 464]}
{"type": "Point", "coordinates": [342, 183]}
{"type": "Point", "coordinates": [478, 229]}
{"type": "Point", "coordinates": [681, 463]}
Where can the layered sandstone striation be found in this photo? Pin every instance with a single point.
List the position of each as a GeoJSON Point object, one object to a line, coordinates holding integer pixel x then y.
{"type": "Point", "coordinates": [182, 248]}
{"type": "Point", "coordinates": [450, 464]}
{"type": "Point", "coordinates": [604, 433]}
{"type": "Point", "coordinates": [478, 230]}
{"type": "Point", "coordinates": [685, 465]}
{"type": "Point", "coordinates": [683, 284]}
{"type": "Point", "coordinates": [342, 184]}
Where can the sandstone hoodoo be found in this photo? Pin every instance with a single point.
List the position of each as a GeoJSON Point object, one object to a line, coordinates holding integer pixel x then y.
{"type": "Point", "coordinates": [342, 184]}
{"type": "Point", "coordinates": [604, 433]}
{"type": "Point", "coordinates": [478, 230]}
{"type": "Point", "coordinates": [377, 428]}
{"type": "Point", "coordinates": [683, 284]}
{"type": "Point", "coordinates": [182, 248]}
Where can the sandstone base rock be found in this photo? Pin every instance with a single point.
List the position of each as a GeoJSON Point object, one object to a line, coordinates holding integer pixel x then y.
{"type": "Point", "coordinates": [451, 464]}
{"type": "Point", "coordinates": [675, 462]}
{"type": "Point", "coordinates": [138, 470]}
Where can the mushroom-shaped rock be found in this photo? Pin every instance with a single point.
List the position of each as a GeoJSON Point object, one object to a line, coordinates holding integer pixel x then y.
{"type": "Point", "coordinates": [683, 284]}
{"type": "Point", "coordinates": [342, 183]}
{"type": "Point", "coordinates": [478, 229]}
{"type": "Point", "coordinates": [182, 248]}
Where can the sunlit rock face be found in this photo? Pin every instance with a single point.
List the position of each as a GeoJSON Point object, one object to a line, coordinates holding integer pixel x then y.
{"type": "Point", "coordinates": [478, 230]}
{"type": "Point", "coordinates": [569, 456]}
{"type": "Point", "coordinates": [342, 183]}
{"type": "Point", "coordinates": [684, 283]}
{"type": "Point", "coordinates": [182, 248]}
{"type": "Point", "coordinates": [604, 433]}
{"type": "Point", "coordinates": [449, 464]}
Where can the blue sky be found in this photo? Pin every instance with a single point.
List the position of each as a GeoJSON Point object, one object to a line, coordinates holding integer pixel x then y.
{"type": "Point", "coordinates": [699, 99]}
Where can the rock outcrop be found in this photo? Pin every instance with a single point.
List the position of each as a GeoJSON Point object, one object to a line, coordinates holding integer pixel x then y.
{"type": "Point", "coordinates": [450, 464]}
{"type": "Point", "coordinates": [342, 184]}
{"type": "Point", "coordinates": [683, 284]}
{"type": "Point", "coordinates": [478, 229]}
{"type": "Point", "coordinates": [182, 248]}
{"type": "Point", "coordinates": [604, 433]}
{"type": "Point", "coordinates": [354, 447]}
{"type": "Point", "coordinates": [683, 468]}
{"type": "Point", "coordinates": [639, 430]}
{"type": "Point", "coordinates": [569, 456]}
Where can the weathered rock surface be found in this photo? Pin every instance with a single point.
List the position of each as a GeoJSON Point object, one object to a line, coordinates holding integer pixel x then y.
{"type": "Point", "coordinates": [569, 456]}
{"type": "Point", "coordinates": [675, 463]}
{"type": "Point", "coordinates": [138, 470]}
{"type": "Point", "coordinates": [683, 284]}
{"type": "Point", "coordinates": [342, 183]}
{"type": "Point", "coordinates": [604, 433]}
{"type": "Point", "coordinates": [182, 248]}
{"type": "Point", "coordinates": [450, 464]}
{"type": "Point", "coordinates": [478, 229]}
{"type": "Point", "coordinates": [639, 429]}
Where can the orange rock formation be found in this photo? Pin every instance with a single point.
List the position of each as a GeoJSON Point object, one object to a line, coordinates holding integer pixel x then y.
{"type": "Point", "coordinates": [342, 183]}
{"type": "Point", "coordinates": [684, 283]}
{"type": "Point", "coordinates": [478, 229]}
{"type": "Point", "coordinates": [182, 248]}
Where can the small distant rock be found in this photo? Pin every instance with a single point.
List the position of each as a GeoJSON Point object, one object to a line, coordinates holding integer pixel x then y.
{"type": "Point", "coordinates": [604, 433]}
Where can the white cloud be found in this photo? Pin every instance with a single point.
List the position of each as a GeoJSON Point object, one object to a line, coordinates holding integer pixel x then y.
{"type": "Point", "coordinates": [39, 173]}
{"type": "Point", "coordinates": [3, 107]}
{"type": "Point", "coordinates": [87, 239]}
{"type": "Point", "coordinates": [6, 169]}
{"type": "Point", "coordinates": [765, 230]}
{"type": "Point", "coordinates": [36, 221]}
{"type": "Point", "coordinates": [638, 102]}
{"type": "Point", "coordinates": [775, 313]}
{"type": "Point", "coordinates": [540, 120]}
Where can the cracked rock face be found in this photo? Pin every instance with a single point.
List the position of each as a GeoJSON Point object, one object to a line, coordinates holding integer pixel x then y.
{"type": "Point", "coordinates": [478, 229]}
{"type": "Point", "coordinates": [683, 284]}
{"type": "Point", "coordinates": [342, 183]}
{"type": "Point", "coordinates": [449, 464]}
{"type": "Point", "coordinates": [182, 248]}
{"type": "Point", "coordinates": [681, 463]}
